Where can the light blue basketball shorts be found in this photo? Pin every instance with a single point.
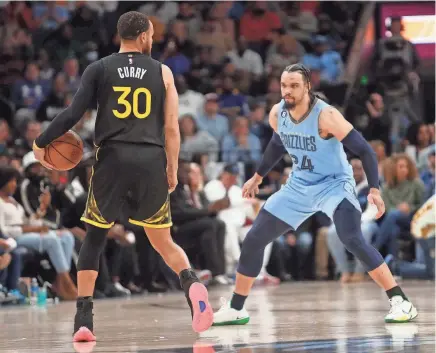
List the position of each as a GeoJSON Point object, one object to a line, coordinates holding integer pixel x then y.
{"type": "Point", "coordinates": [294, 203]}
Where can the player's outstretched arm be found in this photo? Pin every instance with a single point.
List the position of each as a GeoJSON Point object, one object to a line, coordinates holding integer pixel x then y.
{"type": "Point", "coordinates": [274, 150]}
{"type": "Point", "coordinates": [70, 116]}
{"type": "Point", "coordinates": [273, 153]}
{"type": "Point", "coordinates": [331, 122]}
{"type": "Point", "coordinates": [172, 132]}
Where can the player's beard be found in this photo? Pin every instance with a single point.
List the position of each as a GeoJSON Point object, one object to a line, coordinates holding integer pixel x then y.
{"type": "Point", "coordinates": [292, 105]}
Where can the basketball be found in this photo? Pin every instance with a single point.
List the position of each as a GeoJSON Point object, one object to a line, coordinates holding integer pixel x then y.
{"type": "Point", "coordinates": [65, 152]}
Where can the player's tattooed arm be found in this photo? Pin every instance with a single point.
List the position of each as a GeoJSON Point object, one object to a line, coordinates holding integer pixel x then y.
{"type": "Point", "coordinates": [333, 124]}
{"type": "Point", "coordinates": [172, 132]}
{"type": "Point", "coordinates": [273, 117]}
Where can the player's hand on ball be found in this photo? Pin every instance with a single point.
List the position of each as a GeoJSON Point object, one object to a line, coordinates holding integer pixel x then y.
{"type": "Point", "coordinates": [172, 179]}
{"type": "Point", "coordinates": [40, 156]}
{"type": "Point", "coordinates": [251, 186]}
{"type": "Point", "coordinates": [375, 198]}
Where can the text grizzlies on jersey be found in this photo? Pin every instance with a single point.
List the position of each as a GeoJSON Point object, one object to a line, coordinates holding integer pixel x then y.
{"type": "Point", "coordinates": [299, 142]}
{"type": "Point", "coordinates": [133, 72]}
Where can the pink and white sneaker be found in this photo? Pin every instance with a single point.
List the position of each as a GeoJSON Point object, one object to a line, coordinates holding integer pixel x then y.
{"type": "Point", "coordinates": [202, 313]}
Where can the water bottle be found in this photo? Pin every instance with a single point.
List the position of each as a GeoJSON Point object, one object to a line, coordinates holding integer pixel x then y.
{"type": "Point", "coordinates": [42, 295]}
{"type": "Point", "coordinates": [34, 289]}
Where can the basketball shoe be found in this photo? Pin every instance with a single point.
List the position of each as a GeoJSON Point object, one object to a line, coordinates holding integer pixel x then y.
{"type": "Point", "coordinates": [226, 315]}
{"type": "Point", "coordinates": [83, 321]}
{"type": "Point", "coordinates": [401, 310]}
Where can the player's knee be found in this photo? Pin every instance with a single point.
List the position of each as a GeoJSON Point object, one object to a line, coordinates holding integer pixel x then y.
{"type": "Point", "coordinates": [92, 248]}
{"type": "Point", "coordinates": [252, 242]}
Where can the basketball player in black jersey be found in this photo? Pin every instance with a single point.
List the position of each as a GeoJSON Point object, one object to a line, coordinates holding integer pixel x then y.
{"type": "Point", "coordinates": [137, 135]}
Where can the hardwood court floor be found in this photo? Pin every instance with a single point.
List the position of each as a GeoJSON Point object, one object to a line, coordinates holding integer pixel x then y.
{"type": "Point", "coordinates": [296, 317]}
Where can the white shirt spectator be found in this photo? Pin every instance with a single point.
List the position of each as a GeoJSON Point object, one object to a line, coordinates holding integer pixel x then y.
{"type": "Point", "coordinates": [249, 61]}
{"type": "Point", "coordinates": [191, 102]}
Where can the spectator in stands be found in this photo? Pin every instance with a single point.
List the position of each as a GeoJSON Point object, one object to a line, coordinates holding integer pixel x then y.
{"type": "Point", "coordinates": [4, 135]}
{"type": "Point", "coordinates": [326, 29]}
{"type": "Point", "coordinates": [418, 144]}
{"type": "Point", "coordinates": [404, 49]}
{"type": "Point", "coordinates": [62, 44]}
{"type": "Point", "coordinates": [403, 194]}
{"type": "Point", "coordinates": [46, 70]}
{"type": "Point", "coordinates": [273, 94]}
{"type": "Point", "coordinates": [174, 59]}
{"type": "Point", "coordinates": [190, 101]}
{"type": "Point", "coordinates": [188, 15]}
{"type": "Point", "coordinates": [32, 90]}
{"type": "Point", "coordinates": [56, 100]}
{"type": "Point", "coordinates": [212, 35]}
{"type": "Point", "coordinates": [32, 234]}
{"type": "Point", "coordinates": [50, 15]}
{"type": "Point", "coordinates": [423, 230]}
{"type": "Point", "coordinates": [259, 124]}
{"type": "Point", "coordinates": [20, 45]}
{"type": "Point", "coordinates": [353, 272]}
{"type": "Point", "coordinates": [10, 265]}
{"type": "Point", "coordinates": [71, 71]}
{"type": "Point", "coordinates": [380, 152]}
{"type": "Point", "coordinates": [232, 103]}
{"type": "Point", "coordinates": [257, 23]}
{"type": "Point", "coordinates": [179, 33]}
{"type": "Point", "coordinates": [374, 122]}
{"type": "Point", "coordinates": [235, 215]}
{"type": "Point", "coordinates": [31, 132]}
{"type": "Point", "coordinates": [194, 141]}
{"type": "Point", "coordinates": [286, 54]}
{"type": "Point", "coordinates": [196, 228]}
{"type": "Point", "coordinates": [215, 124]}
{"type": "Point", "coordinates": [428, 175]}
{"type": "Point", "coordinates": [165, 11]}
{"type": "Point", "coordinates": [241, 145]}
{"type": "Point", "coordinates": [328, 61]}
{"type": "Point", "coordinates": [246, 59]}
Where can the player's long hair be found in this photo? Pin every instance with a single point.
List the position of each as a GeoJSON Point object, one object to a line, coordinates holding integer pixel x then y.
{"type": "Point", "coordinates": [390, 169]}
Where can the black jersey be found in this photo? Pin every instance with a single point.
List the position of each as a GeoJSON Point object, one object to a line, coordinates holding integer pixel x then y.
{"type": "Point", "coordinates": [131, 100]}
{"type": "Point", "coordinates": [130, 95]}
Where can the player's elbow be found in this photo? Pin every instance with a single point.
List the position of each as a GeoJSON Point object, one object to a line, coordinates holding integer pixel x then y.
{"type": "Point", "coordinates": [172, 130]}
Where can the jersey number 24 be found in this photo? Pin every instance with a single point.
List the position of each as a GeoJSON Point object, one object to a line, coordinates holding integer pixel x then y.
{"type": "Point", "coordinates": [131, 102]}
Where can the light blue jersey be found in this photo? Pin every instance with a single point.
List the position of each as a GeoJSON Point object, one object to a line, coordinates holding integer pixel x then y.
{"type": "Point", "coordinates": [321, 175]}
{"type": "Point", "coordinates": [314, 158]}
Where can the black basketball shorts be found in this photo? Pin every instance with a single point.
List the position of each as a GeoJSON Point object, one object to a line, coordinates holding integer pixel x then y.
{"type": "Point", "coordinates": [128, 182]}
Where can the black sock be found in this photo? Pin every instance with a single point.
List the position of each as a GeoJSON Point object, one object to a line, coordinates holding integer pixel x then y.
{"type": "Point", "coordinates": [187, 277]}
{"type": "Point", "coordinates": [396, 291]}
{"type": "Point", "coordinates": [238, 301]}
{"type": "Point", "coordinates": [84, 298]}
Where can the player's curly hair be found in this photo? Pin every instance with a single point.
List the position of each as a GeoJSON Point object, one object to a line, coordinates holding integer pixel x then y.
{"type": "Point", "coordinates": [131, 24]}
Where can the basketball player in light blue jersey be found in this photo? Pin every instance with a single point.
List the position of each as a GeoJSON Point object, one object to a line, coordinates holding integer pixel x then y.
{"type": "Point", "coordinates": [313, 133]}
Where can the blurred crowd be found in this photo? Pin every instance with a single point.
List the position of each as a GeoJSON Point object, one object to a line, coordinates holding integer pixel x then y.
{"type": "Point", "coordinates": [227, 58]}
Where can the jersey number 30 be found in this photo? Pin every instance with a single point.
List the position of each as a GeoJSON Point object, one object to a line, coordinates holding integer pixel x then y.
{"type": "Point", "coordinates": [132, 104]}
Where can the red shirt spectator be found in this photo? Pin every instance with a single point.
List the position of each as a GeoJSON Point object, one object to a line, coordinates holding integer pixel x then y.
{"type": "Point", "coordinates": [257, 23]}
